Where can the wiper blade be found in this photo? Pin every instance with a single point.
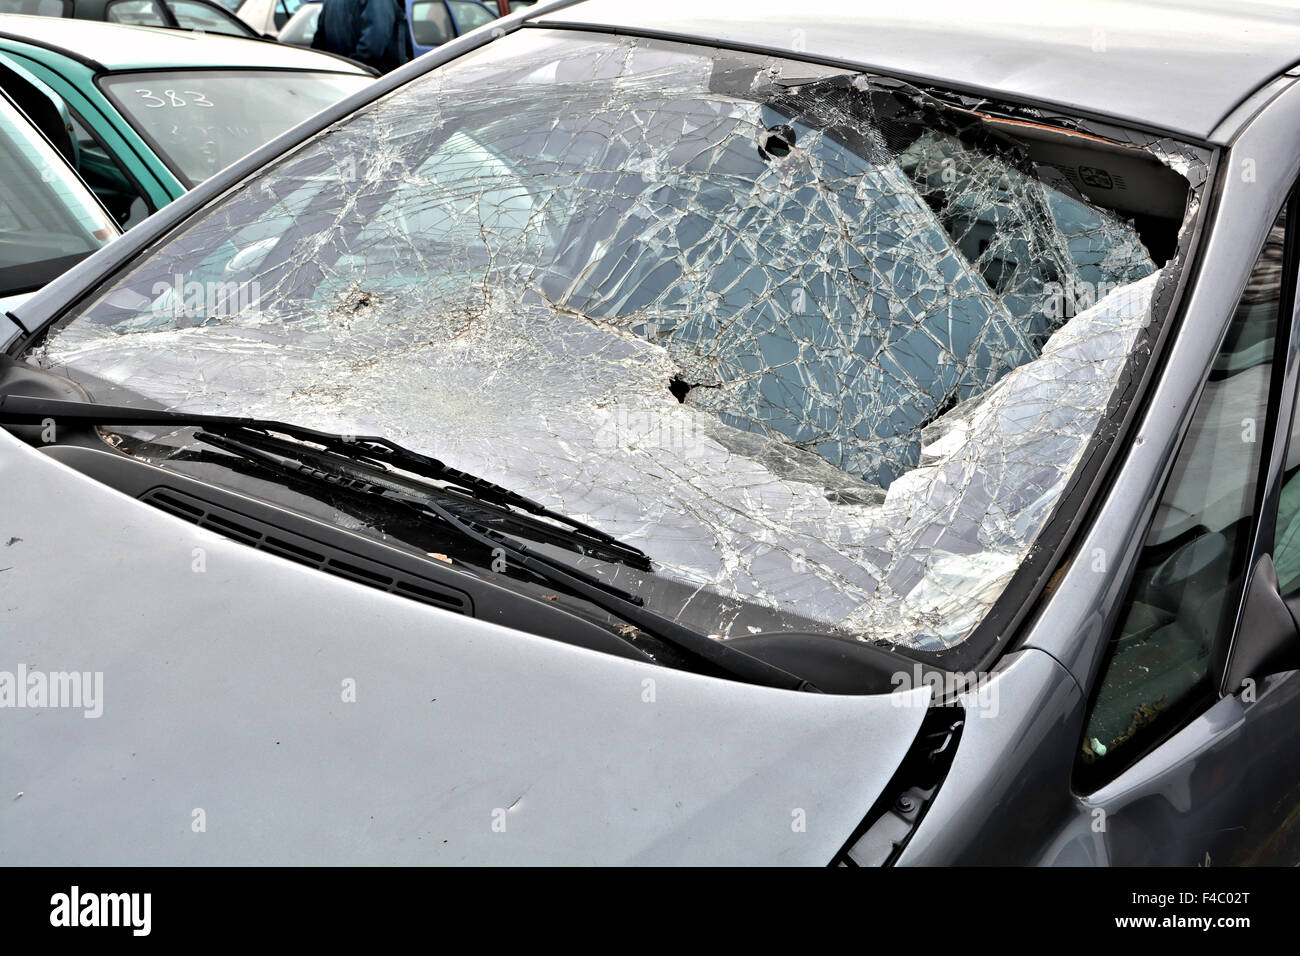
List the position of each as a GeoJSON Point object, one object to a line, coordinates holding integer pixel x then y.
{"type": "Point", "coordinates": [297, 462]}
{"type": "Point", "coordinates": [376, 450]}
{"type": "Point", "coordinates": [318, 468]}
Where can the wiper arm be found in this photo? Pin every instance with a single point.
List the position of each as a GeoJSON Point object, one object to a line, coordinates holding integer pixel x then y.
{"type": "Point", "coordinates": [24, 410]}
{"type": "Point", "coordinates": [304, 462]}
{"type": "Point", "coordinates": [315, 467]}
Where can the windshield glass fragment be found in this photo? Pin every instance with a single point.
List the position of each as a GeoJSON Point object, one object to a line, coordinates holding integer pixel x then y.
{"type": "Point", "coordinates": [827, 349]}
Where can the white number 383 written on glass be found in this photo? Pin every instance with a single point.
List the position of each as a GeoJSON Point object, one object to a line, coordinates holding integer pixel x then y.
{"type": "Point", "coordinates": [173, 98]}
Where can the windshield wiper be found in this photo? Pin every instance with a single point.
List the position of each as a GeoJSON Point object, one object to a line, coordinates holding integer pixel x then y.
{"type": "Point", "coordinates": [323, 467]}
{"type": "Point", "coordinates": [320, 467]}
{"type": "Point", "coordinates": [370, 449]}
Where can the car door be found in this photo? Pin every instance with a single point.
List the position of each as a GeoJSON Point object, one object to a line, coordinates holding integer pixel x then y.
{"type": "Point", "coordinates": [1190, 753]}
{"type": "Point", "coordinates": [95, 150]}
{"type": "Point", "coordinates": [106, 160]}
{"type": "Point", "coordinates": [49, 221]}
{"type": "Point", "coordinates": [431, 24]}
{"type": "Point", "coordinates": [203, 17]}
{"type": "Point", "coordinates": [470, 14]}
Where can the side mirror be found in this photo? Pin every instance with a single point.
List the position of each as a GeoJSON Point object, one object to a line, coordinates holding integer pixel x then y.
{"type": "Point", "coordinates": [1268, 640]}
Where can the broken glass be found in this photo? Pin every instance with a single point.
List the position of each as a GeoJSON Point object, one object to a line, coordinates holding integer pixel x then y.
{"type": "Point", "coordinates": [814, 342]}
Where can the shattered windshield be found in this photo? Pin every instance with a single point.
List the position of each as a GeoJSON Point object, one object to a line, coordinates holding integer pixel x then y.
{"type": "Point", "coordinates": [822, 346]}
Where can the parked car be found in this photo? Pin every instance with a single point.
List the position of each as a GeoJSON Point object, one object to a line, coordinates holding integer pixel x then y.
{"type": "Point", "coordinates": [203, 16]}
{"type": "Point", "coordinates": [49, 220]}
{"type": "Point", "coordinates": [300, 28]}
{"type": "Point", "coordinates": [154, 112]}
{"type": "Point", "coordinates": [433, 22]}
{"type": "Point", "coordinates": [638, 436]}
{"type": "Point", "coordinates": [506, 7]}
{"type": "Point", "coordinates": [266, 17]}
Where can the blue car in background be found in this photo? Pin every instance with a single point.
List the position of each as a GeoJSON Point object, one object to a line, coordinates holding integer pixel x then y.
{"type": "Point", "coordinates": [433, 22]}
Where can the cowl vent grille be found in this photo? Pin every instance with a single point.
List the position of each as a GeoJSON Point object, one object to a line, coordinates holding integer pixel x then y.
{"type": "Point", "coordinates": [304, 550]}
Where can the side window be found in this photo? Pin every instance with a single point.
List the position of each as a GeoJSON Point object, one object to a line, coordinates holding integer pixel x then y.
{"type": "Point", "coordinates": [209, 19]}
{"type": "Point", "coordinates": [1286, 542]}
{"type": "Point", "coordinates": [430, 23]}
{"type": "Point", "coordinates": [471, 14]}
{"type": "Point", "coordinates": [144, 13]}
{"type": "Point", "coordinates": [107, 178]}
{"type": "Point", "coordinates": [1189, 574]}
{"type": "Point", "coordinates": [301, 28]}
{"type": "Point", "coordinates": [284, 9]}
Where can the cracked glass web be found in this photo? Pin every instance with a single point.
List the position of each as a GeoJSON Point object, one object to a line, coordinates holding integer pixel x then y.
{"type": "Point", "coordinates": [796, 334]}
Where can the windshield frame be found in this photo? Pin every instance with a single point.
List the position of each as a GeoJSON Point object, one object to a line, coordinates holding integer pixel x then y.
{"type": "Point", "coordinates": [992, 636]}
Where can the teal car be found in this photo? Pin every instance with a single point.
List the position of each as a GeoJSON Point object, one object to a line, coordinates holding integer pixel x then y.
{"type": "Point", "coordinates": [149, 113]}
{"type": "Point", "coordinates": [49, 221]}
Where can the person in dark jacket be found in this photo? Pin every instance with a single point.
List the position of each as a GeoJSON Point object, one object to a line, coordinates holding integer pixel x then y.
{"type": "Point", "coordinates": [374, 32]}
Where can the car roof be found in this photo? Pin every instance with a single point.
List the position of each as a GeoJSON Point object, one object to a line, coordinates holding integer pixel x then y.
{"type": "Point", "coordinates": [114, 46]}
{"type": "Point", "coordinates": [1182, 67]}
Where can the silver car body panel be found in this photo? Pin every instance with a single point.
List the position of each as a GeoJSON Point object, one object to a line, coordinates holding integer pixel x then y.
{"type": "Point", "coordinates": [1181, 68]}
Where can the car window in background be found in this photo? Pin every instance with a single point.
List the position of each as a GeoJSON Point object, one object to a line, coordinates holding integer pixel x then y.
{"type": "Point", "coordinates": [144, 13]}
{"type": "Point", "coordinates": [48, 221]}
{"type": "Point", "coordinates": [100, 168]}
{"type": "Point", "coordinates": [108, 178]}
{"type": "Point", "coordinates": [301, 27]}
{"type": "Point", "coordinates": [35, 8]}
{"type": "Point", "coordinates": [520, 4]}
{"type": "Point", "coordinates": [201, 121]}
{"type": "Point", "coordinates": [191, 15]}
{"type": "Point", "coordinates": [1195, 554]}
{"type": "Point", "coordinates": [470, 14]}
{"type": "Point", "coordinates": [284, 9]}
{"type": "Point", "coordinates": [431, 24]}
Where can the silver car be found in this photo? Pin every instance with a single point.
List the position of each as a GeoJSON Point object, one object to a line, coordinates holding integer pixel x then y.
{"type": "Point", "coordinates": [685, 433]}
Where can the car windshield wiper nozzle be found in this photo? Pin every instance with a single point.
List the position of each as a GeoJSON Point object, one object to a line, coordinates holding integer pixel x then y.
{"type": "Point", "coordinates": [372, 449]}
